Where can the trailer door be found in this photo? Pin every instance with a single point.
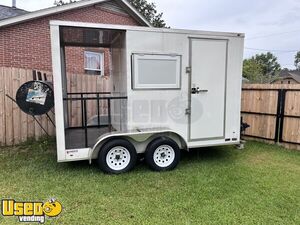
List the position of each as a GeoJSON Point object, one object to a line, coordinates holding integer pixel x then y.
{"type": "Point", "coordinates": [207, 88]}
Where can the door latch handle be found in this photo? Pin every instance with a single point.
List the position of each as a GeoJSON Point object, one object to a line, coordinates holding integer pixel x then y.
{"type": "Point", "coordinates": [197, 90]}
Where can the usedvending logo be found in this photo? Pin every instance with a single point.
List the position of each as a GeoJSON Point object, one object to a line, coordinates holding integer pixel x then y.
{"type": "Point", "coordinates": [30, 211]}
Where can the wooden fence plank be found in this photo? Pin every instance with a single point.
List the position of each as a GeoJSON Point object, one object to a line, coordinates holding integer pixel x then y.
{"type": "Point", "coordinates": [30, 120]}
{"type": "Point", "coordinates": [92, 88]}
{"type": "Point", "coordinates": [23, 79]}
{"type": "Point", "coordinates": [88, 89]}
{"type": "Point", "coordinates": [8, 107]}
{"type": "Point", "coordinates": [51, 128]}
{"type": "Point", "coordinates": [291, 131]}
{"type": "Point", "coordinates": [45, 124]}
{"type": "Point", "coordinates": [84, 85]}
{"type": "Point", "coordinates": [259, 101]}
{"type": "Point", "coordinates": [44, 119]}
{"type": "Point", "coordinates": [2, 107]}
{"type": "Point", "coordinates": [78, 110]}
{"type": "Point", "coordinates": [261, 126]}
{"type": "Point", "coordinates": [95, 109]}
{"type": "Point", "coordinates": [292, 106]}
{"type": "Point", "coordinates": [73, 89]}
{"type": "Point", "coordinates": [272, 86]}
{"type": "Point", "coordinates": [16, 113]}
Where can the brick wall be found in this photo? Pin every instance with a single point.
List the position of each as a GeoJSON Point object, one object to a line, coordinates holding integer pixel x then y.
{"type": "Point", "coordinates": [75, 59]}
{"type": "Point", "coordinates": [27, 45]}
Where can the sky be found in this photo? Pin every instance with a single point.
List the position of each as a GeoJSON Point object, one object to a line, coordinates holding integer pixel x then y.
{"type": "Point", "coordinates": [268, 24]}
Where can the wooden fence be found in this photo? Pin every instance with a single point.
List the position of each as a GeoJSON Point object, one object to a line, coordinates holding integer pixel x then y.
{"type": "Point", "coordinates": [16, 126]}
{"type": "Point", "coordinates": [86, 84]}
{"type": "Point", "coordinates": [260, 108]}
{"type": "Point", "coordinates": [273, 113]}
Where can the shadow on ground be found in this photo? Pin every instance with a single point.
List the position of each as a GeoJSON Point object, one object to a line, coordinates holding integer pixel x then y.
{"type": "Point", "coordinates": [197, 155]}
{"type": "Point", "coordinates": [211, 154]}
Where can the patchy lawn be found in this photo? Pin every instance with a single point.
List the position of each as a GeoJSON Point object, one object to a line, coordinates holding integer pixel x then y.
{"type": "Point", "coordinates": [223, 185]}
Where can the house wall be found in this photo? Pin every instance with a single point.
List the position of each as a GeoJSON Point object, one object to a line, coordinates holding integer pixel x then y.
{"type": "Point", "coordinates": [75, 59]}
{"type": "Point", "coordinates": [285, 81]}
{"type": "Point", "coordinates": [27, 45]}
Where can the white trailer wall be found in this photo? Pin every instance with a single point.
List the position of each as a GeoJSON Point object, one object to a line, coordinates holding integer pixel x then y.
{"type": "Point", "coordinates": [166, 108]}
{"type": "Point", "coordinates": [153, 108]}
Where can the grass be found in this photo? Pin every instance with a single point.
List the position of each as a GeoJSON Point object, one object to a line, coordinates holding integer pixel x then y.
{"type": "Point", "coordinates": [222, 185]}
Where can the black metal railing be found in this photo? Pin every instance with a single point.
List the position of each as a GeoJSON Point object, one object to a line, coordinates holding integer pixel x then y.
{"type": "Point", "coordinates": [83, 97]}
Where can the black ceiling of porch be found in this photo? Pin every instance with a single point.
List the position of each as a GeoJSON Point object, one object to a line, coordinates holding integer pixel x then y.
{"type": "Point", "coordinates": [87, 37]}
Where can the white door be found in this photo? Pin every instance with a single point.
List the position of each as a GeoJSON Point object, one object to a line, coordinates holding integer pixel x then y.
{"type": "Point", "coordinates": [208, 87]}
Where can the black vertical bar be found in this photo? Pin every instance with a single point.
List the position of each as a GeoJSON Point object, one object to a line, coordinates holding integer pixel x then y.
{"type": "Point", "coordinates": [85, 125]}
{"type": "Point", "coordinates": [278, 115]}
{"type": "Point", "coordinates": [39, 75]}
{"type": "Point", "coordinates": [45, 77]}
{"type": "Point", "coordinates": [241, 128]}
{"type": "Point", "coordinates": [34, 74]}
{"type": "Point", "coordinates": [82, 110]}
{"type": "Point", "coordinates": [282, 115]}
{"type": "Point", "coordinates": [98, 111]}
{"type": "Point", "coordinates": [109, 114]}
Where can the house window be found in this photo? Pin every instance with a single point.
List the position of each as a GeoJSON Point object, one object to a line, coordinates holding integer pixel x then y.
{"type": "Point", "coordinates": [93, 63]}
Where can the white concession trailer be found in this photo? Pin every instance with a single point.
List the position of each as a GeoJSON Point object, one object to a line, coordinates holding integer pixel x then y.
{"type": "Point", "coordinates": [170, 90]}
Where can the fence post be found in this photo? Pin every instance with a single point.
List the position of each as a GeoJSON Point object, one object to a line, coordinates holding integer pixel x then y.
{"type": "Point", "coordinates": [278, 115]}
{"type": "Point", "coordinates": [282, 114]}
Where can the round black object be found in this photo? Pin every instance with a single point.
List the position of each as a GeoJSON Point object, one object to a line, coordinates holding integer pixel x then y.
{"type": "Point", "coordinates": [35, 97]}
{"type": "Point", "coordinates": [117, 156]}
{"type": "Point", "coordinates": [162, 154]}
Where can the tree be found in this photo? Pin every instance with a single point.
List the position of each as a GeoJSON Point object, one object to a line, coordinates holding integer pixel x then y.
{"type": "Point", "coordinates": [268, 62]}
{"type": "Point", "coordinates": [297, 61]}
{"type": "Point", "coordinates": [62, 2]}
{"type": "Point", "coordinates": [148, 10]}
{"type": "Point", "coordinates": [261, 68]}
{"type": "Point", "coordinates": [253, 71]}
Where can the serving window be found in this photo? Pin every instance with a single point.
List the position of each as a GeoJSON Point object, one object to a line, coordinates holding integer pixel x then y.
{"type": "Point", "coordinates": [156, 71]}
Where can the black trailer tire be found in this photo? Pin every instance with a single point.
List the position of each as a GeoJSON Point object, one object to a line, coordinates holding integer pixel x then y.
{"type": "Point", "coordinates": [117, 156]}
{"type": "Point", "coordinates": [162, 154]}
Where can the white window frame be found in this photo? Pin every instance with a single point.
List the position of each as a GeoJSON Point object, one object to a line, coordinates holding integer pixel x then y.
{"type": "Point", "coordinates": [101, 55]}
{"type": "Point", "coordinates": [135, 68]}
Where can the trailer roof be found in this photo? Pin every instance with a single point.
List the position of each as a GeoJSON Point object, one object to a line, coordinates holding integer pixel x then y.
{"type": "Point", "coordinates": [139, 28]}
